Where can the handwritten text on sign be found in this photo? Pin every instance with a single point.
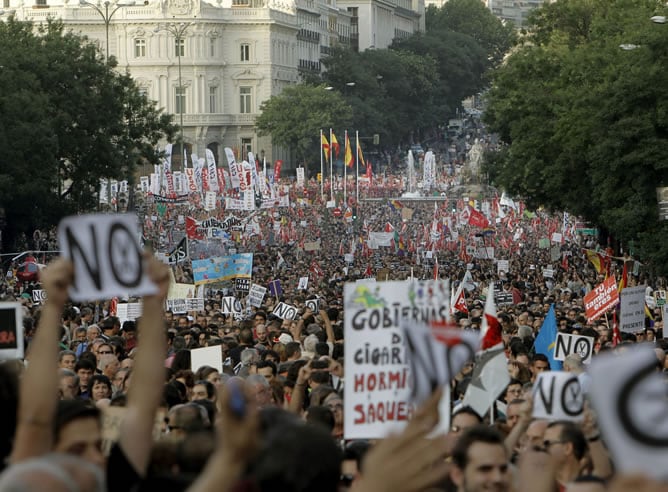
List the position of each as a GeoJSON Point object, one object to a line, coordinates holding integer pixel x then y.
{"type": "Point", "coordinates": [107, 257]}
{"type": "Point", "coordinates": [558, 396]}
{"type": "Point", "coordinates": [632, 309]}
{"type": "Point", "coordinates": [377, 396]}
{"type": "Point", "coordinates": [602, 298]}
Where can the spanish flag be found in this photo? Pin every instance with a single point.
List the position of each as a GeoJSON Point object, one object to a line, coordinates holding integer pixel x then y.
{"type": "Point", "coordinates": [624, 281]}
{"type": "Point", "coordinates": [348, 159]}
{"type": "Point", "coordinates": [335, 146]}
{"type": "Point", "coordinates": [325, 146]}
{"type": "Point", "coordinates": [597, 259]}
{"type": "Point", "coordinates": [359, 152]}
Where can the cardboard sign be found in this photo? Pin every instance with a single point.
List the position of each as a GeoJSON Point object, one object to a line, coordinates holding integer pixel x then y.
{"type": "Point", "coordinates": [313, 305]}
{"type": "Point", "coordinates": [285, 311]}
{"type": "Point", "coordinates": [230, 305]}
{"type": "Point", "coordinates": [436, 355]}
{"type": "Point", "coordinates": [11, 331]}
{"type": "Point", "coordinates": [574, 344]}
{"type": "Point", "coordinates": [632, 410]}
{"type": "Point", "coordinates": [303, 283]}
{"type": "Point", "coordinates": [128, 311]}
{"type": "Point", "coordinates": [256, 295]}
{"type": "Point", "coordinates": [180, 291]}
{"type": "Point", "coordinates": [632, 309]}
{"type": "Point", "coordinates": [605, 296]}
{"type": "Point", "coordinates": [108, 259]}
{"type": "Point", "coordinates": [349, 258]}
{"type": "Point", "coordinates": [502, 266]}
{"type": "Point", "coordinates": [377, 397]}
{"type": "Point", "coordinates": [38, 295]}
{"type": "Point", "coordinates": [206, 356]}
{"type": "Point", "coordinates": [312, 246]}
{"type": "Point", "coordinates": [242, 284]}
{"type": "Point", "coordinates": [548, 273]}
{"type": "Point", "coordinates": [558, 396]}
{"type": "Point", "coordinates": [556, 237]}
{"type": "Point", "coordinates": [660, 297]}
{"type": "Point", "coordinates": [180, 306]}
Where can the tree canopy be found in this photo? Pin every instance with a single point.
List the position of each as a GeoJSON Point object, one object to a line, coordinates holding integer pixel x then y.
{"type": "Point", "coordinates": [67, 119]}
{"type": "Point", "coordinates": [295, 117]}
{"type": "Point", "coordinates": [584, 122]}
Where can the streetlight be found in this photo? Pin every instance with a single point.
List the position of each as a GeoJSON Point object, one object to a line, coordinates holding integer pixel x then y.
{"type": "Point", "coordinates": [177, 29]}
{"type": "Point", "coordinates": [106, 14]}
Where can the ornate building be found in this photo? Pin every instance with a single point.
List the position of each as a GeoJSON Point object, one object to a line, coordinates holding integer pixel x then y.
{"type": "Point", "coordinates": [210, 64]}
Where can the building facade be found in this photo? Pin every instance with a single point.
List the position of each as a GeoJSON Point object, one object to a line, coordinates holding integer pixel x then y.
{"type": "Point", "coordinates": [211, 64]}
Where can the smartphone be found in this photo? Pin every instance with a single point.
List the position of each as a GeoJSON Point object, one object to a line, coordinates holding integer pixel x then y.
{"type": "Point", "coordinates": [237, 400]}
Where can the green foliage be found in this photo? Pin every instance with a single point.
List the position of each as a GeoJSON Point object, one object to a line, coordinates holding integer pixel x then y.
{"type": "Point", "coordinates": [66, 120]}
{"type": "Point", "coordinates": [585, 123]}
{"type": "Point", "coordinates": [295, 117]}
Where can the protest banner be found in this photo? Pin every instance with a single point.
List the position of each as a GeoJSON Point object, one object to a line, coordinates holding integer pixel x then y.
{"type": "Point", "coordinates": [632, 309]}
{"type": "Point", "coordinates": [566, 344]}
{"type": "Point", "coordinates": [632, 410]}
{"type": "Point", "coordinates": [377, 397]}
{"type": "Point", "coordinates": [502, 266]}
{"type": "Point", "coordinates": [177, 306]}
{"type": "Point", "coordinates": [230, 305]}
{"type": "Point", "coordinates": [180, 291]}
{"type": "Point", "coordinates": [285, 311]}
{"type": "Point", "coordinates": [313, 305]}
{"type": "Point", "coordinates": [11, 331]}
{"type": "Point", "coordinates": [312, 246]}
{"type": "Point", "coordinates": [107, 257]}
{"type": "Point", "coordinates": [558, 396]}
{"type": "Point", "coordinates": [206, 356]}
{"type": "Point", "coordinates": [488, 380]}
{"type": "Point", "coordinates": [39, 296]}
{"type": "Point", "coordinates": [256, 295]}
{"type": "Point", "coordinates": [603, 297]}
{"type": "Point", "coordinates": [217, 269]}
{"type": "Point", "coordinates": [128, 311]}
{"type": "Point", "coordinates": [242, 285]}
{"type": "Point", "coordinates": [303, 283]}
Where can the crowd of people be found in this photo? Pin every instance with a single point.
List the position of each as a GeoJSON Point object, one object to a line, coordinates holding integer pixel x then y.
{"type": "Point", "coordinates": [126, 409]}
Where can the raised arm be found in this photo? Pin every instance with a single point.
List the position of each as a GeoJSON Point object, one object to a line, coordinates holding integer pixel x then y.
{"type": "Point", "coordinates": [148, 374]}
{"type": "Point", "coordinates": [38, 391]}
{"type": "Point", "coordinates": [328, 326]}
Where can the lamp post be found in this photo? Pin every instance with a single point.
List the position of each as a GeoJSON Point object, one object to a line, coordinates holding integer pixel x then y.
{"type": "Point", "coordinates": [177, 29]}
{"type": "Point", "coordinates": [107, 15]}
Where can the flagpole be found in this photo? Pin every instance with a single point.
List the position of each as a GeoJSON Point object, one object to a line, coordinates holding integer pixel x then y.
{"type": "Point", "coordinates": [345, 169]}
{"type": "Point", "coordinates": [357, 165]}
{"type": "Point", "coordinates": [331, 166]}
{"type": "Point", "coordinates": [322, 172]}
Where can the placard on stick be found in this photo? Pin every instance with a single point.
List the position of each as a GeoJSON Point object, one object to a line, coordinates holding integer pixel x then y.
{"type": "Point", "coordinates": [11, 331]}
{"type": "Point", "coordinates": [108, 260]}
{"type": "Point", "coordinates": [558, 396]}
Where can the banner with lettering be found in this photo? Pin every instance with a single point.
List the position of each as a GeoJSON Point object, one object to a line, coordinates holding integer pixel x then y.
{"type": "Point", "coordinates": [221, 268]}
{"type": "Point", "coordinates": [377, 396]}
{"type": "Point", "coordinates": [603, 297]}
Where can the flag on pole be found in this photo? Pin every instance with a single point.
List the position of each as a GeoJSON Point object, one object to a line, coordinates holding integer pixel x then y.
{"type": "Point", "coordinates": [458, 301]}
{"type": "Point", "coordinates": [436, 267]}
{"type": "Point", "coordinates": [547, 339]}
{"type": "Point", "coordinates": [624, 281]}
{"type": "Point", "coordinates": [491, 327]}
{"type": "Point", "coordinates": [335, 145]}
{"type": "Point", "coordinates": [359, 152]}
{"type": "Point", "coordinates": [349, 153]}
{"type": "Point", "coordinates": [325, 146]}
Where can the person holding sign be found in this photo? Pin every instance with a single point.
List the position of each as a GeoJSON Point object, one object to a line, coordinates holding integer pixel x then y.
{"type": "Point", "coordinates": [129, 458]}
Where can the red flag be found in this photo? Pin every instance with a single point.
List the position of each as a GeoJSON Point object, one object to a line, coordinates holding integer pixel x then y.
{"type": "Point", "coordinates": [564, 262]}
{"type": "Point", "coordinates": [436, 268]}
{"type": "Point", "coordinates": [624, 281]}
{"type": "Point", "coordinates": [192, 229]}
{"type": "Point", "coordinates": [315, 269]}
{"type": "Point", "coordinates": [368, 272]}
{"type": "Point", "coordinates": [459, 301]}
{"type": "Point", "coordinates": [491, 327]}
{"type": "Point", "coordinates": [616, 335]}
{"type": "Point", "coordinates": [477, 219]}
{"type": "Point", "coordinates": [277, 170]}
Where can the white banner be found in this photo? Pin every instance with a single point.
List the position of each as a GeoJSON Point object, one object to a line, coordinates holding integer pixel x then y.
{"type": "Point", "coordinates": [212, 172]}
{"type": "Point", "coordinates": [234, 171]}
{"type": "Point", "coordinates": [558, 396]}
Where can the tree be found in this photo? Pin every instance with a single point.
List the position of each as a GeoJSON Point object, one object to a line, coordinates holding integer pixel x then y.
{"type": "Point", "coordinates": [585, 123]}
{"type": "Point", "coordinates": [474, 19]}
{"type": "Point", "coordinates": [295, 117]}
{"type": "Point", "coordinates": [67, 119]}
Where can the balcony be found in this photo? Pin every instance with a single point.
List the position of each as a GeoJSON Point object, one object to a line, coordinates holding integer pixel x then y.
{"type": "Point", "coordinates": [219, 119]}
{"type": "Point", "coordinates": [308, 35]}
{"type": "Point", "coordinates": [309, 66]}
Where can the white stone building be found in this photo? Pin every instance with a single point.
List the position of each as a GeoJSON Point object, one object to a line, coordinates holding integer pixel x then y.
{"type": "Point", "coordinates": [213, 64]}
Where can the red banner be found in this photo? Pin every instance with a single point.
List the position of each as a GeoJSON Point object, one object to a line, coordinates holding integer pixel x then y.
{"type": "Point", "coordinates": [277, 170]}
{"type": "Point", "coordinates": [605, 296]}
{"type": "Point", "coordinates": [477, 219]}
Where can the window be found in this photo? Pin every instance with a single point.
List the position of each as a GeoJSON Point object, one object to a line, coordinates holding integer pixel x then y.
{"type": "Point", "coordinates": [180, 47]}
{"type": "Point", "coordinates": [246, 145]}
{"type": "Point", "coordinates": [245, 52]}
{"type": "Point", "coordinates": [212, 47]}
{"type": "Point", "coordinates": [213, 93]}
{"type": "Point", "coordinates": [140, 48]}
{"type": "Point", "coordinates": [40, 2]}
{"type": "Point", "coordinates": [5, 4]}
{"type": "Point", "coordinates": [180, 100]}
{"type": "Point", "coordinates": [245, 99]}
